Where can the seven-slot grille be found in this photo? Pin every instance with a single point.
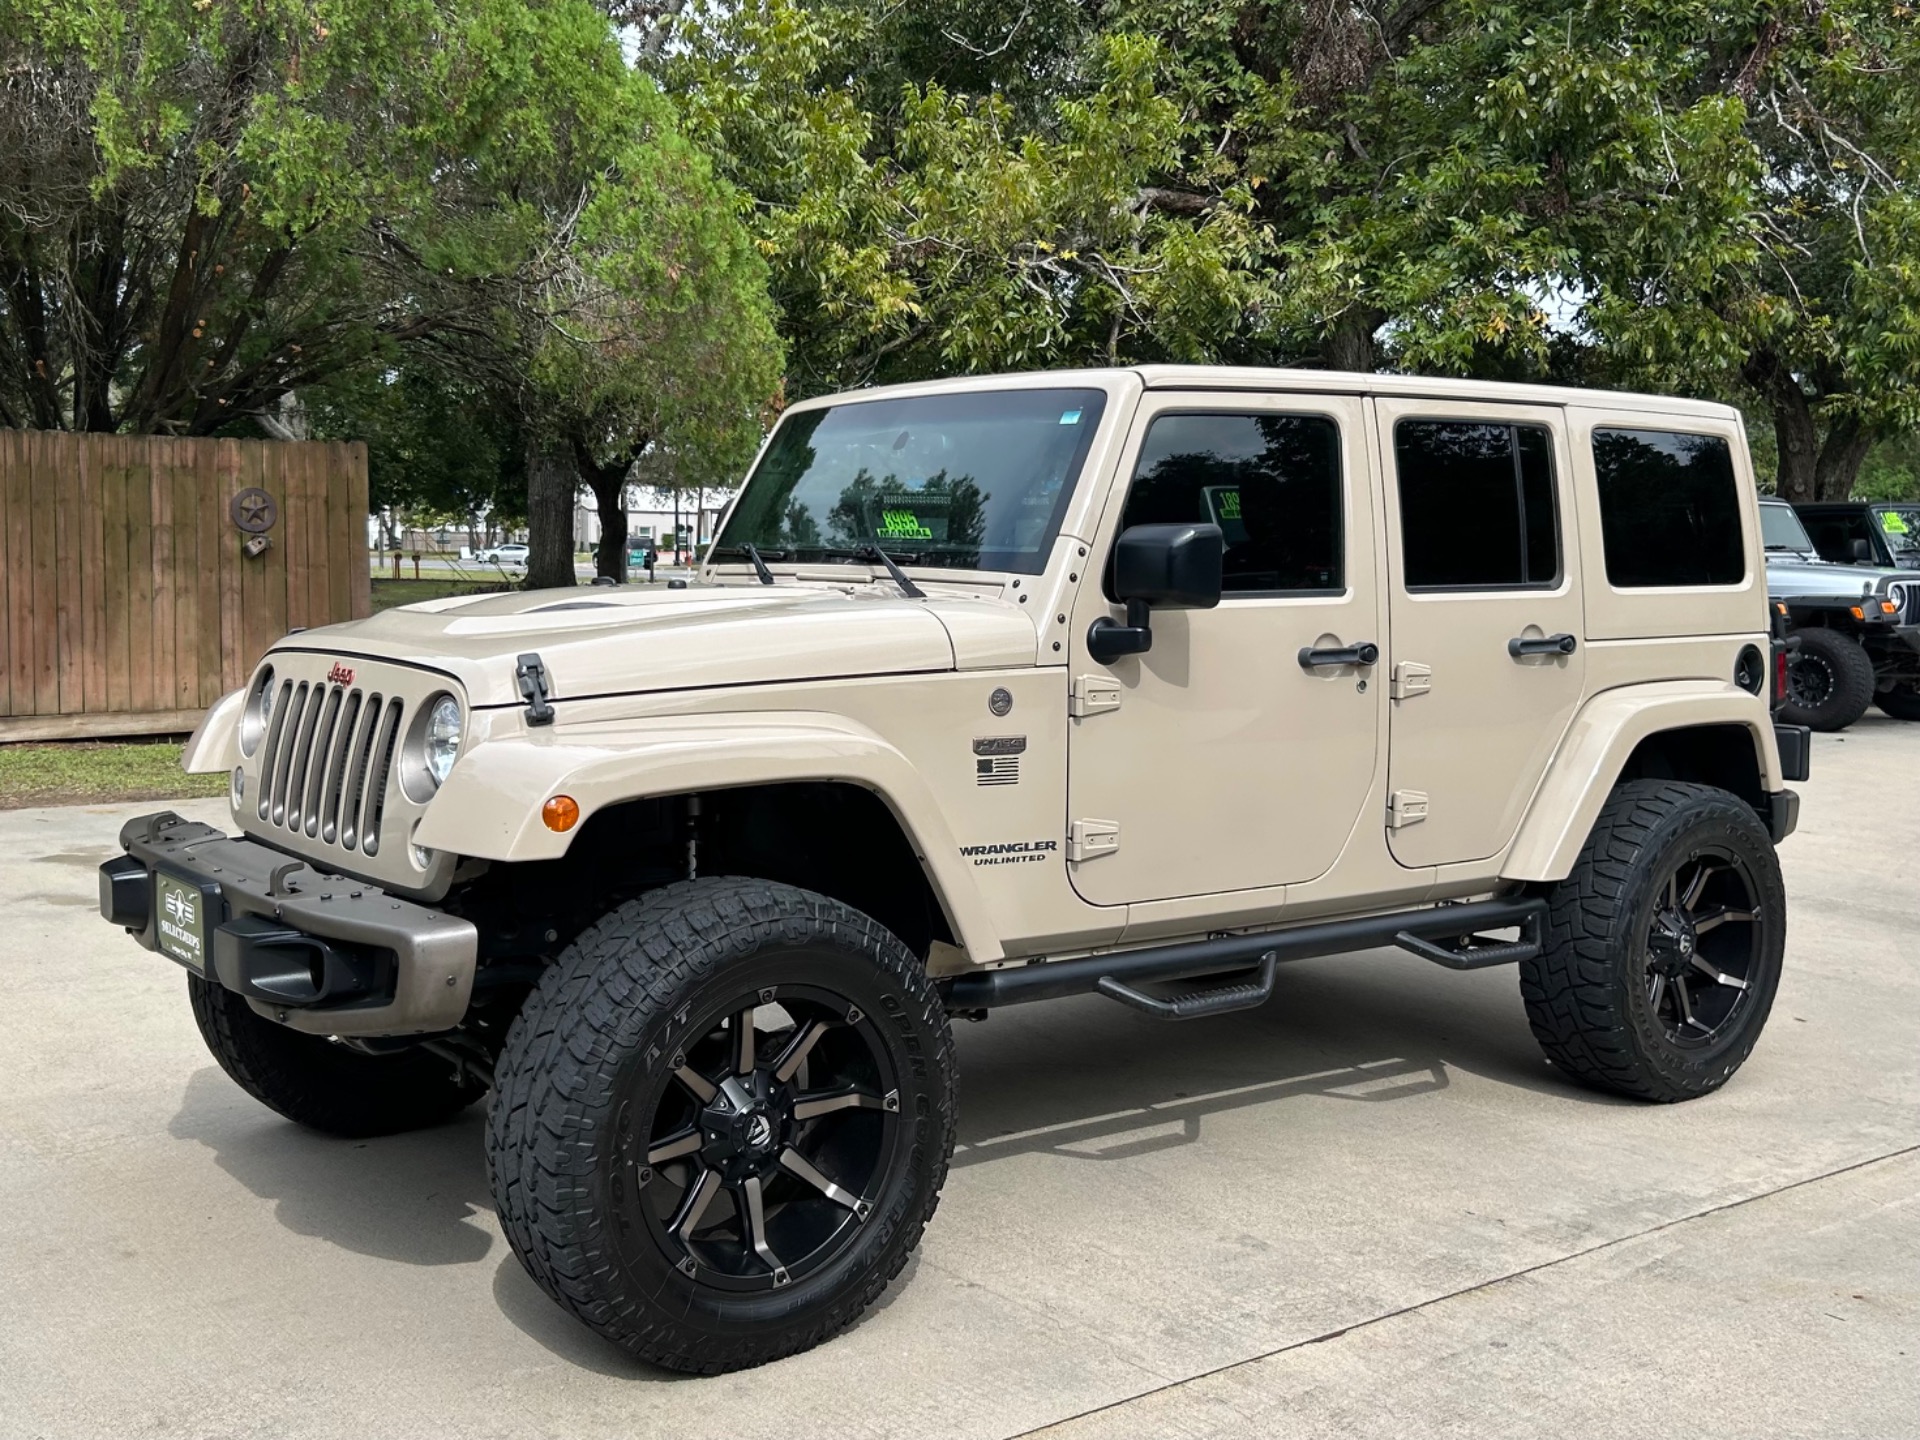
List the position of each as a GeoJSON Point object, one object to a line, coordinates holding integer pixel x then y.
{"type": "Point", "coordinates": [324, 767]}
{"type": "Point", "coordinates": [1906, 594]}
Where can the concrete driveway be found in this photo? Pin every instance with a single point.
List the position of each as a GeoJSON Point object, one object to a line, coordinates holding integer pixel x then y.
{"type": "Point", "coordinates": [1370, 1208]}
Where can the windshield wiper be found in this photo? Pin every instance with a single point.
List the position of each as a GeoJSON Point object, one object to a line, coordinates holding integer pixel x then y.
{"type": "Point", "coordinates": [874, 555]}
{"type": "Point", "coordinates": [752, 553]}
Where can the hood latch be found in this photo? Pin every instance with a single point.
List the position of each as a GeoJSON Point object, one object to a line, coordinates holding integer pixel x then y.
{"type": "Point", "coordinates": [531, 675]}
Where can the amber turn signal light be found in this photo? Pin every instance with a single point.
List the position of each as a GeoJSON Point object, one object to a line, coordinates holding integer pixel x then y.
{"type": "Point", "coordinates": [561, 813]}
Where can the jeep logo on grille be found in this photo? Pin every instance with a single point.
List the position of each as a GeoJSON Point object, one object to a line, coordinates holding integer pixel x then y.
{"type": "Point", "coordinates": [339, 674]}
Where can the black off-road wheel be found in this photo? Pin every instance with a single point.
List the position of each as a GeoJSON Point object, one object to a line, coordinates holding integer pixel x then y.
{"type": "Point", "coordinates": [323, 1085]}
{"type": "Point", "coordinates": [721, 1122]}
{"type": "Point", "coordinates": [1662, 950]}
{"type": "Point", "coordinates": [1829, 680]}
{"type": "Point", "coordinates": [1902, 702]}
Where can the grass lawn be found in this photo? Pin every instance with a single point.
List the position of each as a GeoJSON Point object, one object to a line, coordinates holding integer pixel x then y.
{"type": "Point", "coordinates": [76, 772]}
{"type": "Point", "coordinates": [390, 592]}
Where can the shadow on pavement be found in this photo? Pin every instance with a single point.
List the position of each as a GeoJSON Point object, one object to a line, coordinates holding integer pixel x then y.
{"type": "Point", "coordinates": [1086, 1079]}
{"type": "Point", "coordinates": [414, 1198]}
{"type": "Point", "coordinates": [1083, 1079]}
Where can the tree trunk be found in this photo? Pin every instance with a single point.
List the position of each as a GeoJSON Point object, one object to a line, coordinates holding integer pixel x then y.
{"type": "Point", "coordinates": [552, 483]}
{"type": "Point", "coordinates": [1846, 448]}
{"type": "Point", "coordinates": [1795, 433]}
{"type": "Point", "coordinates": [609, 498]}
{"type": "Point", "coordinates": [1349, 345]}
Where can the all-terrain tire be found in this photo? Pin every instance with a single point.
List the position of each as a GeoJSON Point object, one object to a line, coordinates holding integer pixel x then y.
{"type": "Point", "coordinates": [1587, 993]}
{"type": "Point", "coordinates": [565, 1166]}
{"type": "Point", "coordinates": [1902, 702]}
{"type": "Point", "coordinates": [1845, 672]}
{"type": "Point", "coordinates": [322, 1085]}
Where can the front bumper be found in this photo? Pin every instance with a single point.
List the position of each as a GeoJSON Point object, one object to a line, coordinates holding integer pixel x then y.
{"type": "Point", "coordinates": [321, 953]}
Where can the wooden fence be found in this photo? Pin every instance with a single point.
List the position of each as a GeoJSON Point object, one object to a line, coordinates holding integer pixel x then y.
{"type": "Point", "coordinates": [127, 601]}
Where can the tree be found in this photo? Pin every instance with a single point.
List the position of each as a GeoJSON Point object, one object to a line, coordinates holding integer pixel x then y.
{"type": "Point", "coordinates": [1708, 197]}
{"type": "Point", "coordinates": [205, 206]}
{"type": "Point", "coordinates": [440, 448]}
{"type": "Point", "coordinates": [927, 232]}
{"type": "Point", "coordinates": [653, 335]}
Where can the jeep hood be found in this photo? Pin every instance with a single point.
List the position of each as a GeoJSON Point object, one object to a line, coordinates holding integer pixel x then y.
{"type": "Point", "coordinates": [1788, 576]}
{"type": "Point", "coordinates": [626, 640]}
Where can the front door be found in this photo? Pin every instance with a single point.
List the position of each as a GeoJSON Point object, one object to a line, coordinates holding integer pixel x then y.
{"type": "Point", "coordinates": [1488, 649]}
{"type": "Point", "coordinates": [1222, 760]}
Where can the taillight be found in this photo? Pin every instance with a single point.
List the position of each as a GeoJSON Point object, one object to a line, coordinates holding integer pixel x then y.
{"type": "Point", "coordinates": [1779, 673]}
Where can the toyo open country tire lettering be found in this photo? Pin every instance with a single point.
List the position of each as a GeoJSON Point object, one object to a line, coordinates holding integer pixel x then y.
{"type": "Point", "coordinates": [323, 1085]}
{"type": "Point", "coordinates": [722, 1121]}
{"type": "Point", "coordinates": [1662, 950]}
{"type": "Point", "coordinates": [1829, 680]}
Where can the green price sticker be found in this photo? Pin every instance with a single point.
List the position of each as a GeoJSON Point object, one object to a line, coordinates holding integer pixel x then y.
{"type": "Point", "coordinates": [1893, 522]}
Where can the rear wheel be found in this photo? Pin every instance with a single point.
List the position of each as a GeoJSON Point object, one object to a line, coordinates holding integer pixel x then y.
{"type": "Point", "coordinates": [321, 1084]}
{"type": "Point", "coordinates": [1663, 946]}
{"type": "Point", "coordinates": [722, 1121]}
{"type": "Point", "coordinates": [1902, 701]}
{"type": "Point", "coordinates": [1829, 680]}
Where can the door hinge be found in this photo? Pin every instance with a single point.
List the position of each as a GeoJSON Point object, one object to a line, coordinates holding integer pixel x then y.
{"type": "Point", "coordinates": [1406, 807]}
{"type": "Point", "coordinates": [1093, 695]}
{"type": "Point", "coordinates": [1410, 679]}
{"type": "Point", "coordinates": [1090, 839]}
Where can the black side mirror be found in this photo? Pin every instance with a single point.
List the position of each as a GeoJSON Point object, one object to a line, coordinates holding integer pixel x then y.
{"type": "Point", "coordinates": [1170, 565]}
{"type": "Point", "coordinates": [1862, 552]}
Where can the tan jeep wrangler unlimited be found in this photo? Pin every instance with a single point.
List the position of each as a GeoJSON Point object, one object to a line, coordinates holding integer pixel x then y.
{"type": "Point", "coordinates": [1136, 682]}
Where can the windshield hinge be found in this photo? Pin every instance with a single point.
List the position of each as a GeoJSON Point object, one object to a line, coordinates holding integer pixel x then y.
{"type": "Point", "coordinates": [531, 675]}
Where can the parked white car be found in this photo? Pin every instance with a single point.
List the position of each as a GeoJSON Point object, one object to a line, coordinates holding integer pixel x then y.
{"type": "Point", "coordinates": [509, 557]}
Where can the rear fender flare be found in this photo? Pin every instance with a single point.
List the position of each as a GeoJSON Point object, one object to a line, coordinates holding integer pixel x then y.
{"type": "Point", "coordinates": [490, 805]}
{"type": "Point", "coordinates": [1596, 748]}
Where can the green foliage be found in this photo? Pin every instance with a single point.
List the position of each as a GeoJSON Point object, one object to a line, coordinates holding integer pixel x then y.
{"type": "Point", "coordinates": [1891, 472]}
{"type": "Point", "coordinates": [1680, 194]}
{"type": "Point", "coordinates": [205, 205]}
{"type": "Point", "coordinates": [440, 449]}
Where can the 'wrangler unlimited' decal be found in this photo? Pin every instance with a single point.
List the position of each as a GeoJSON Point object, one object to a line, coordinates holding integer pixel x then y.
{"type": "Point", "coordinates": [1011, 852]}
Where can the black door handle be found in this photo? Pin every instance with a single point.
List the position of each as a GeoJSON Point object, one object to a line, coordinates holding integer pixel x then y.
{"type": "Point", "coordinates": [1365, 653]}
{"type": "Point", "coordinates": [1545, 645]}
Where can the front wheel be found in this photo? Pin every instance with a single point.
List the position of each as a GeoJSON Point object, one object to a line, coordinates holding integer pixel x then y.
{"type": "Point", "coordinates": [1662, 948]}
{"type": "Point", "coordinates": [722, 1121]}
{"type": "Point", "coordinates": [1829, 680]}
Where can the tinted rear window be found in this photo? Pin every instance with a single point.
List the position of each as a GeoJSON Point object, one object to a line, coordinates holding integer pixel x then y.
{"type": "Point", "coordinates": [1476, 505]}
{"type": "Point", "coordinates": [1669, 509]}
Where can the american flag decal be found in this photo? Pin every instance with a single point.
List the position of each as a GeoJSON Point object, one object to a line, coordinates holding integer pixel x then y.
{"type": "Point", "coordinates": [998, 770]}
{"type": "Point", "coordinates": [997, 759]}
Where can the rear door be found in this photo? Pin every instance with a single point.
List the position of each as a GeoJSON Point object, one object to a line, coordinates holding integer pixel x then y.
{"type": "Point", "coordinates": [1487, 651]}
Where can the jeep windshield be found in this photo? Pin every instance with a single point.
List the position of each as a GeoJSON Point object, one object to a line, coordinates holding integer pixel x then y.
{"type": "Point", "coordinates": [1900, 527]}
{"type": "Point", "coordinates": [1780, 528]}
{"type": "Point", "coordinates": [969, 481]}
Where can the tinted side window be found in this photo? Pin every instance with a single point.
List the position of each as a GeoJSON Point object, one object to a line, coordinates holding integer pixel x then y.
{"type": "Point", "coordinates": [1270, 482]}
{"type": "Point", "coordinates": [1476, 505]}
{"type": "Point", "coordinates": [1669, 510]}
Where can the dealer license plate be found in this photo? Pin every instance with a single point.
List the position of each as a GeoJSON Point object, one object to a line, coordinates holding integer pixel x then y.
{"type": "Point", "coordinates": [182, 922]}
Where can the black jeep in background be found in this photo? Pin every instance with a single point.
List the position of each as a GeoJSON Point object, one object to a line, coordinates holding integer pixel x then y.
{"type": "Point", "coordinates": [1865, 532]}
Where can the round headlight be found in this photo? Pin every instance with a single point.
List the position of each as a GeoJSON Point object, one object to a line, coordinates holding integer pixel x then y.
{"type": "Point", "coordinates": [442, 738]}
{"type": "Point", "coordinates": [254, 715]}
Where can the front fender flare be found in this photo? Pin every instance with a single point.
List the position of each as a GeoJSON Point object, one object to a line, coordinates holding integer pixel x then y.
{"type": "Point", "coordinates": [489, 807]}
{"type": "Point", "coordinates": [1596, 748]}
